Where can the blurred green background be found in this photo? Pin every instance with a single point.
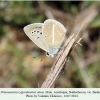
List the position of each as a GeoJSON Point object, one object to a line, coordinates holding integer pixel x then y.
{"type": "Point", "coordinates": [19, 68]}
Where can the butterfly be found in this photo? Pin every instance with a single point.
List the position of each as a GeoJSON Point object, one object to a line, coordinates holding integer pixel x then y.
{"type": "Point", "coordinates": [48, 35]}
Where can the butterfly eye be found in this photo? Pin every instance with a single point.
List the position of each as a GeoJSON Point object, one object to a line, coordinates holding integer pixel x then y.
{"type": "Point", "coordinates": [47, 54]}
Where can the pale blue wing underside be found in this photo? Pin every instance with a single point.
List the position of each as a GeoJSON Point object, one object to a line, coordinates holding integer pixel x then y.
{"type": "Point", "coordinates": [48, 35]}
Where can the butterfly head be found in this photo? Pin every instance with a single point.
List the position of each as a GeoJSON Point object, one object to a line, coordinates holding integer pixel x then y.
{"type": "Point", "coordinates": [52, 52]}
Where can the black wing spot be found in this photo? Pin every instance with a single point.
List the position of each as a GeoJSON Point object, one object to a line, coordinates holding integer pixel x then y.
{"type": "Point", "coordinates": [34, 31]}
{"type": "Point", "coordinates": [37, 37]}
{"type": "Point", "coordinates": [37, 31]}
{"type": "Point", "coordinates": [40, 32]}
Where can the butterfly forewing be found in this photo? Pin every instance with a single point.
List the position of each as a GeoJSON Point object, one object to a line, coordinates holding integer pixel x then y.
{"type": "Point", "coordinates": [53, 33]}
{"type": "Point", "coordinates": [34, 32]}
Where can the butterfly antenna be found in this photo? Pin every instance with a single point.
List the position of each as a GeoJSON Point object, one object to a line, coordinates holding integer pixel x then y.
{"type": "Point", "coordinates": [38, 55]}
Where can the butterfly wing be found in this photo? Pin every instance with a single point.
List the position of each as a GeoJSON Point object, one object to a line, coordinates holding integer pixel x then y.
{"type": "Point", "coordinates": [34, 32]}
{"type": "Point", "coordinates": [53, 33]}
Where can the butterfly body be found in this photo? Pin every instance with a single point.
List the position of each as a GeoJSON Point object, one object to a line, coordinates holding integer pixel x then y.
{"type": "Point", "coordinates": [48, 35]}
